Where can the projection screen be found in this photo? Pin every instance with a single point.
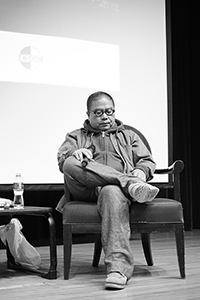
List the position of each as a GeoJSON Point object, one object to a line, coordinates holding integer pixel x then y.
{"type": "Point", "coordinates": [54, 54]}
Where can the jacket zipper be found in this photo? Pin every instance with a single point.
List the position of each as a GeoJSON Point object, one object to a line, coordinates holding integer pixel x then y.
{"type": "Point", "coordinates": [105, 155]}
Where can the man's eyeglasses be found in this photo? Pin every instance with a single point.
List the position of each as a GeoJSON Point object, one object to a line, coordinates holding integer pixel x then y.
{"type": "Point", "coordinates": [100, 112]}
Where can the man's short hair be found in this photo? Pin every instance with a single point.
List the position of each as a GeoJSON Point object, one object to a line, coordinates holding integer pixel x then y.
{"type": "Point", "coordinates": [96, 96]}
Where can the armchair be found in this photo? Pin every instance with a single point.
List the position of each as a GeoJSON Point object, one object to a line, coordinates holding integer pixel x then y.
{"type": "Point", "coordinates": [160, 215]}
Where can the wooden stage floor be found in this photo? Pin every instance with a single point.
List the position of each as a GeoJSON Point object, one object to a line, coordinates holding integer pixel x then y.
{"type": "Point", "coordinates": [159, 282]}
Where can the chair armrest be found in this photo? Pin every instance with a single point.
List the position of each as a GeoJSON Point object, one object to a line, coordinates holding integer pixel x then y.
{"type": "Point", "coordinates": [174, 178]}
{"type": "Point", "coordinates": [176, 167]}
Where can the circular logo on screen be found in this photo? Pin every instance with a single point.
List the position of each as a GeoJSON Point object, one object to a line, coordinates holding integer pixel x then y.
{"type": "Point", "coordinates": [31, 58]}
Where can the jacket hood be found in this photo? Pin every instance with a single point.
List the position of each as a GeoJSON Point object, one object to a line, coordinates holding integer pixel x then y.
{"type": "Point", "coordinates": [118, 126]}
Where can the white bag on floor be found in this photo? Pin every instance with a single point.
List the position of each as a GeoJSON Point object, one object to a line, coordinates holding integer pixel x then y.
{"type": "Point", "coordinates": [22, 251]}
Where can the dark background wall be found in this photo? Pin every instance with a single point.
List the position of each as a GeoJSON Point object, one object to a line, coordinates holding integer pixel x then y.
{"type": "Point", "coordinates": [185, 52]}
{"type": "Point", "coordinates": [185, 102]}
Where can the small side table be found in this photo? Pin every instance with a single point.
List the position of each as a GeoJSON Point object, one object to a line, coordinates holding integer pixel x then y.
{"type": "Point", "coordinates": [35, 211]}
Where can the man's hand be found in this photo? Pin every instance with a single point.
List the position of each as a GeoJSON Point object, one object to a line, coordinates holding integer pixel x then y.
{"type": "Point", "coordinates": [139, 173]}
{"type": "Point", "coordinates": [82, 153]}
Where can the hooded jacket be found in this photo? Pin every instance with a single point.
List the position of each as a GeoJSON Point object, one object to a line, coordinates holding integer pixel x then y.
{"type": "Point", "coordinates": [119, 147]}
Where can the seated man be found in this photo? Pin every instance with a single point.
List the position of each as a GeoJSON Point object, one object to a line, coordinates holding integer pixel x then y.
{"type": "Point", "coordinates": [108, 163]}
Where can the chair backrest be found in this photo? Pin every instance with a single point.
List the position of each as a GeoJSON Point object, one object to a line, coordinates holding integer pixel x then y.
{"type": "Point", "coordinates": [140, 135]}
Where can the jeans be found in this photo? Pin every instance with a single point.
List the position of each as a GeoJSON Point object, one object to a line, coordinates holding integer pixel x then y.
{"type": "Point", "coordinates": [109, 188]}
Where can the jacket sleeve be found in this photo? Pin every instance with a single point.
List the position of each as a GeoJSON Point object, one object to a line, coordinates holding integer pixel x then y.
{"type": "Point", "coordinates": [143, 158]}
{"type": "Point", "coordinates": [67, 148]}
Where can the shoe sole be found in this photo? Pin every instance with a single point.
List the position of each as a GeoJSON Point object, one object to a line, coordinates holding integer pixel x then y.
{"type": "Point", "coordinates": [145, 193]}
{"type": "Point", "coordinates": [114, 286]}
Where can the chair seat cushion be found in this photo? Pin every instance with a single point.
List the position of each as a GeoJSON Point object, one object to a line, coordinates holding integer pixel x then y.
{"type": "Point", "coordinates": [80, 212]}
{"type": "Point", "coordinates": [159, 210]}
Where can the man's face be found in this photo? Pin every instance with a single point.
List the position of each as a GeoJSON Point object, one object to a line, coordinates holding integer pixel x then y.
{"type": "Point", "coordinates": [101, 115]}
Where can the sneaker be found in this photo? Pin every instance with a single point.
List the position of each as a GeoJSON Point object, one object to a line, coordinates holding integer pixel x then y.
{"type": "Point", "coordinates": [142, 192]}
{"type": "Point", "coordinates": [115, 281]}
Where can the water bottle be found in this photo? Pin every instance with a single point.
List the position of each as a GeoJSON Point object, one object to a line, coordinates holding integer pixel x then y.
{"type": "Point", "coordinates": [18, 190]}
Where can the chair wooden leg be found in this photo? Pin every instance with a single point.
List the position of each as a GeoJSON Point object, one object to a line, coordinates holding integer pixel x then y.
{"type": "Point", "coordinates": [52, 274]}
{"type": "Point", "coordinates": [180, 246]}
{"type": "Point", "coordinates": [146, 243]}
{"type": "Point", "coordinates": [97, 251]}
{"type": "Point", "coordinates": [67, 244]}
